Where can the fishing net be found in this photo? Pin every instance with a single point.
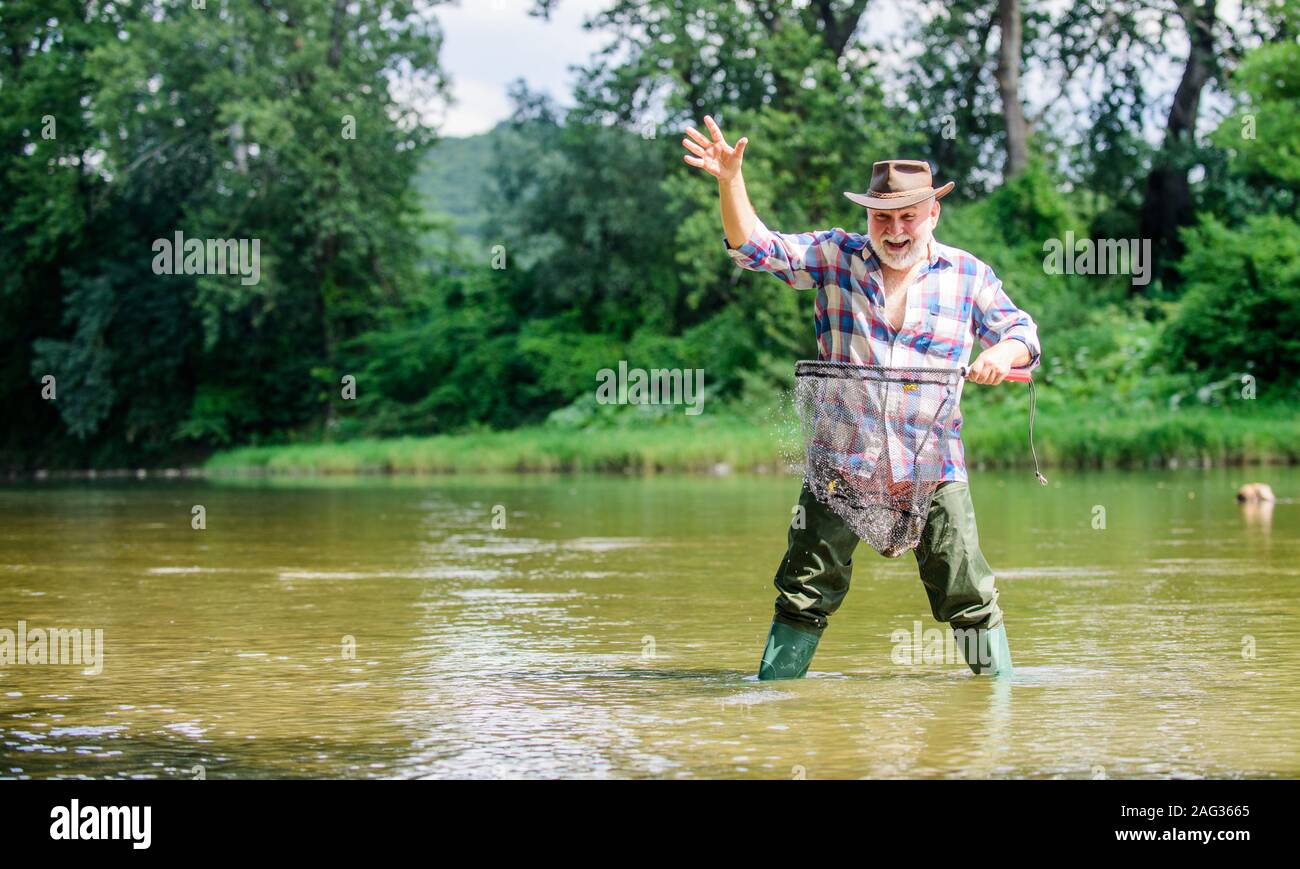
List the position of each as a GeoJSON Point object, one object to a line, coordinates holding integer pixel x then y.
{"type": "Point", "coordinates": [877, 443]}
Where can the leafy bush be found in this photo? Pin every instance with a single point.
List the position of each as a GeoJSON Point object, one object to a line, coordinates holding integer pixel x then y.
{"type": "Point", "coordinates": [1241, 311]}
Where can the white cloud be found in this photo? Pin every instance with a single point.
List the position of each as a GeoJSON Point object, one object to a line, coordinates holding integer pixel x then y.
{"type": "Point", "coordinates": [490, 43]}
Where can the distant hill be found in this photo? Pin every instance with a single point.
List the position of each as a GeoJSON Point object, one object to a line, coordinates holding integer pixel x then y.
{"type": "Point", "coordinates": [453, 181]}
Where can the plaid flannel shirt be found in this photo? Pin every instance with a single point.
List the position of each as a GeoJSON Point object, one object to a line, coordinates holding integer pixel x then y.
{"type": "Point", "coordinates": [955, 299]}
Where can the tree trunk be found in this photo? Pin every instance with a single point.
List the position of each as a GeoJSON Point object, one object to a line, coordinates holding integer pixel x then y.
{"type": "Point", "coordinates": [838, 27]}
{"type": "Point", "coordinates": [1167, 204]}
{"type": "Point", "coordinates": [336, 34]}
{"type": "Point", "coordinates": [1013, 113]}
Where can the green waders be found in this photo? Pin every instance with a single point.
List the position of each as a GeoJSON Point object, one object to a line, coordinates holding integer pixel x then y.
{"type": "Point", "coordinates": [814, 578]}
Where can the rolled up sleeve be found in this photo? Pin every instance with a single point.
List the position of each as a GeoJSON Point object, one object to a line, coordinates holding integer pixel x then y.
{"type": "Point", "coordinates": [997, 318]}
{"type": "Point", "coordinates": [754, 252]}
{"type": "Point", "coordinates": [803, 261]}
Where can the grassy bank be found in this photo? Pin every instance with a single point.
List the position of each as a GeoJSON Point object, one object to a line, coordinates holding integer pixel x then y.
{"type": "Point", "coordinates": [668, 447]}
{"type": "Point", "coordinates": [1083, 437]}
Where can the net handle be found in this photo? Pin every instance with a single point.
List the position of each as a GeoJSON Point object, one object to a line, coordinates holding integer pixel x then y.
{"type": "Point", "coordinates": [1019, 375]}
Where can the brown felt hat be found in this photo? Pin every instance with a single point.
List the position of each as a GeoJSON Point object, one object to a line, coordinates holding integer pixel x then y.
{"type": "Point", "coordinates": [899, 184]}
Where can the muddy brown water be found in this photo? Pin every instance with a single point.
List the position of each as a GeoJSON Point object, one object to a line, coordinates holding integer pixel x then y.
{"type": "Point", "coordinates": [389, 627]}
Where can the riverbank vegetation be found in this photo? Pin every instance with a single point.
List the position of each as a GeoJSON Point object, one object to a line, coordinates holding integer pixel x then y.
{"type": "Point", "coordinates": [725, 444]}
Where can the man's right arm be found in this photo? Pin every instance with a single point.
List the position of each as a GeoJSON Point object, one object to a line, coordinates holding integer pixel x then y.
{"type": "Point", "coordinates": [738, 216]}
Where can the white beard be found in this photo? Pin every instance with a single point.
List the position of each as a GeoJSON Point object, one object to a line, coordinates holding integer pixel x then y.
{"type": "Point", "coordinates": [917, 252]}
{"type": "Point", "coordinates": [913, 255]}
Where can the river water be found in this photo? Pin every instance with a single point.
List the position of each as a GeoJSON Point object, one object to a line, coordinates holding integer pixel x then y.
{"type": "Point", "coordinates": [391, 627]}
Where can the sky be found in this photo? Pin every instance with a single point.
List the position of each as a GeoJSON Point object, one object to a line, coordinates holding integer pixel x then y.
{"type": "Point", "coordinates": [490, 43]}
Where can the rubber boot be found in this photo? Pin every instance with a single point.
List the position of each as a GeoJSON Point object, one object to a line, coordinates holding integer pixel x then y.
{"type": "Point", "coordinates": [986, 651]}
{"type": "Point", "coordinates": [788, 652]}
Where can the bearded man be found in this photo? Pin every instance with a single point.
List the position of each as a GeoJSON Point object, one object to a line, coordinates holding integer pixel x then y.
{"type": "Point", "coordinates": [893, 297]}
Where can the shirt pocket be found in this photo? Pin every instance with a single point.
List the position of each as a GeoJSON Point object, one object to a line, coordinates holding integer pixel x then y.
{"type": "Point", "coordinates": [948, 324]}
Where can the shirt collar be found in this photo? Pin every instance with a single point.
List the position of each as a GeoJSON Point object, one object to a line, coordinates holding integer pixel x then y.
{"type": "Point", "coordinates": [938, 253]}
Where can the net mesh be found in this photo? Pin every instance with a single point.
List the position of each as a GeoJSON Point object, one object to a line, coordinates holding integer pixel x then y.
{"type": "Point", "coordinates": [875, 444]}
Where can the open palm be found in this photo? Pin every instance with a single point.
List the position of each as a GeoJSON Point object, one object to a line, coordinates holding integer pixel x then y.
{"type": "Point", "coordinates": [715, 157]}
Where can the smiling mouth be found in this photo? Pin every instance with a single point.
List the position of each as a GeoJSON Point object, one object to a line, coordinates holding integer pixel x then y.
{"type": "Point", "coordinates": [896, 246]}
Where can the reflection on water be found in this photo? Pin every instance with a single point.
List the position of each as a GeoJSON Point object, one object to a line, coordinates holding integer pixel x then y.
{"type": "Point", "coordinates": [1258, 514]}
{"type": "Point", "coordinates": [388, 628]}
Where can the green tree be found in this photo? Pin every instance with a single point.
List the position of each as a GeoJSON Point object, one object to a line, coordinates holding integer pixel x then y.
{"type": "Point", "coordinates": [246, 121]}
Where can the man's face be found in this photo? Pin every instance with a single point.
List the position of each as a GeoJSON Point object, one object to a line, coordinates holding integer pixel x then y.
{"type": "Point", "coordinates": [901, 236]}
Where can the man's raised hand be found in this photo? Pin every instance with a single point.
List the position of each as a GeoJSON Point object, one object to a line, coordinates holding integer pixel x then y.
{"type": "Point", "coordinates": [715, 157]}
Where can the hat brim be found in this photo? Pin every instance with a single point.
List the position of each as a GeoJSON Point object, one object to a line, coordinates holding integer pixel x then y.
{"type": "Point", "coordinates": [906, 200]}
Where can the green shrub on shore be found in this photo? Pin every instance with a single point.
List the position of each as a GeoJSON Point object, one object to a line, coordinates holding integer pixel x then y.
{"type": "Point", "coordinates": [994, 437]}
